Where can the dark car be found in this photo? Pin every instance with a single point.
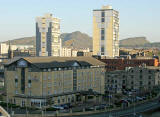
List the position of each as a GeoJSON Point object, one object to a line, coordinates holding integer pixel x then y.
{"type": "Point", "coordinates": [66, 106]}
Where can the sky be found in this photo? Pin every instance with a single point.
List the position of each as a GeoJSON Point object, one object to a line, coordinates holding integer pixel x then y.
{"type": "Point", "coordinates": [137, 17]}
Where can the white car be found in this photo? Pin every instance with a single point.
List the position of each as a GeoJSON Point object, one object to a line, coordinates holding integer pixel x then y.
{"type": "Point", "coordinates": [58, 107]}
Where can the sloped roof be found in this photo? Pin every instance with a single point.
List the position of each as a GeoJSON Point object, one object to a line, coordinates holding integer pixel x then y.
{"type": "Point", "coordinates": [45, 62]}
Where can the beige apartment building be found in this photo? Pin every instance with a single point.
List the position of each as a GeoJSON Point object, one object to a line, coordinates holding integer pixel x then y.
{"type": "Point", "coordinates": [39, 81]}
{"type": "Point", "coordinates": [72, 52]}
{"type": "Point", "coordinates": [106, 32]}
{"type": "Point", "coordinates": [137, 78]}
{"type": "Point", "coordinates": [48, 42]}
{"type": "Point", "coordinates": [4, 47]}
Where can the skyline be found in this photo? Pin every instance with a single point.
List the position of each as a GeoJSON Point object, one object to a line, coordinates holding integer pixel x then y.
{"type": "Point", "coordinates": [18, 17]}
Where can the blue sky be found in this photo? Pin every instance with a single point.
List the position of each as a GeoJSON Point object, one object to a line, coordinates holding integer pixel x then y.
{"type": "Point", "coordinates": [137, 17]}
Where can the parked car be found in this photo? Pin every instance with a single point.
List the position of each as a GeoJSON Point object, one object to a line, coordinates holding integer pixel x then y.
{"type": "Point", "coordinates": [144, 98]}
{"type": "Point", "coordinates": [105, 105]}
{"type": "Point", "coordinates": [89, 108]}
{"type": "Point", "coordinates": [100, 107]}
{"type": "Point", "coordinates": [129, 100]}
{"type": "Point", "coordinates": [58, 107]}
{"type": "Point", "coordinates": [139, 98]}
{"type": "Point", "coordinates": [66, 106]}
{"type": "Point", "coordinates": [129, 93]}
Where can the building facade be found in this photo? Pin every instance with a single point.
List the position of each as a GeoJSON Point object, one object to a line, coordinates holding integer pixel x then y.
{"type": "Point", "coordinates": [4, 47]}
{"type": "Point", "coordinates": [114, 81]}
{"type": "Point", "coordinates": [137, 78]}
{"type": "Point", "coordinates": [106, 32]}
{"type": "Point", "coordinates": [121, 64]}
{"type": "Point", "coordinates": [48, 42]}
{"type": "Point", "coordinates": [72, 52]}
{"type": "Point", "coordinates": [39, 80]}
{"type": "Point", "coordinates": [143, 78]}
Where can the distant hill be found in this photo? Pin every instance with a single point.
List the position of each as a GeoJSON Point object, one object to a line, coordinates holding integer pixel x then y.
{"type": "Point", "coordinates": [134, 42]}
{"type": "Point", "coordinates": [23, 41]}
{"type": "Point", "coordinates": [138, 42]}
{"type": "Point", "coordinates": [82, 40]}
{"type": "Point", "coordinates": [77, 40]}
{"type": "Point", "coordinates": [74, 39]}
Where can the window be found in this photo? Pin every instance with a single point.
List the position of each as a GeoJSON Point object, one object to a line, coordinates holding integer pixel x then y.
{"type": "Point", "coordinates": [29, 93]}
{"type": "Point", "coordinates": [72, 99]}
{"type": "Point", "coordinates": [16, 84]}
{"type": "Point", "coordinates": [140, 71]}
{"type": "Point", "coordinates": [69, 99]}
{"type": "Point", "coordinates": [102, 49]}
{"type": "Point", "coordinates": [102, 31]}
{"type": "Point", "coordinates": [55, 69]}
{"type": "Point", "coordinates": [149, 83]}
{"type": "Point", "coordinates": [140, 76]}
{"type": "Point", "coordinates": [132, 87]}
{"type": "Point", "coordinates": [55, 84]}
{"type": "Point", "coordinates": [49, 84]}
{"type": "Point", "coordinates": [102, 37]}
{"type": "Point", "coordinates": [16, 80]}
{"type": "Point", "coordinates": [103, 14]}
{"type": "Point", "coordinates": [29, 85]}
{"type": "Point", "coordinates": [49, 77]}
{"type": "Point", "coordinates": [59, 101]}
{"type": "Point", "coordinates": [16, 92]}
{"type": "Point", "coordinates": [63, 100]}
{"type": "Point", "coordinates": [112, 81]}
{"type": "Point", "coordinates": [149, 77]}
{"type": "Point", "coordinates": [102, 20]}
{"type": "Point", "coordinates": [44, 77]}
{"type": "Point", "coordinates": [29, 81]}
{"type": "Point", "coordinates": [23, 103]}
{"type": "Point", "coordinates": [14, 101]}
{"type": "Point", "coordinates": [44, 70]}
{"type": "Point", "coordinates": [132, 82]}
{"type": "Point", "coordinates": [141, 83]}
{"type": "Point", "coordinates": [44, 85]}
{"type": "Point", "coordinates": [49, 70]}
{"type": "Point", "coordinates": [29, 77]}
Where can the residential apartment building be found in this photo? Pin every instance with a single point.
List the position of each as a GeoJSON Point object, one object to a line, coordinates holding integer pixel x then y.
{"type": "Point", "coordinates": [4, 47]}
{"type": "Point", "coordinates": [136, 78]}
{"type": "Point", "coordinates": [48, 42]}
{"type": "Point", "coordinates": [113, 64]}
{"type": "Point", "coordinates": [106, 32]}
{"type": "Point", "coordinates": [143, 78]}
{"type": "Point", "coordinates": [35, 81]}
{"type": "Point", "coordinates": [66, 52]}
{"type": "Point", "coordinates": [72, 52]}
{"type": "Point", "coordinates": [114, 81]}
